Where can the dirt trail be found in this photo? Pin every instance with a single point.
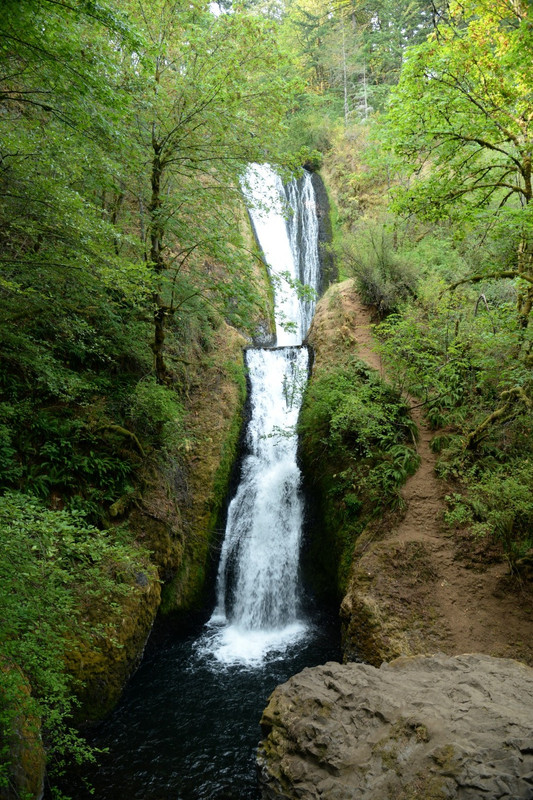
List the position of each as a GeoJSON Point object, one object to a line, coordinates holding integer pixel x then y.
{"type": "Point", "coordinates": [463, 603]}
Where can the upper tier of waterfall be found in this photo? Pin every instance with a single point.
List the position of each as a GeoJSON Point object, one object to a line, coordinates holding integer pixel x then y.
{"type": "Point", "coordinates": [286, 226]}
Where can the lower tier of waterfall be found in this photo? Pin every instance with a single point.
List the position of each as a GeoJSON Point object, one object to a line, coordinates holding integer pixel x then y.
{"type": "Point", "coordinates": [257, 606]}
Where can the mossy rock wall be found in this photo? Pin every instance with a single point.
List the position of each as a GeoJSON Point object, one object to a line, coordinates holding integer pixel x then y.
{"type": "Point", "coordinates": [388, 610]}
{"type": "Point", "coordinates": [23, 750]}
{"type": "Point", "coordinates": [102, 665]}
{"type": "Point", "coordinates": [355, 443]}
{"type": "Point", "coordinates": [328, 533]}
{"type": "Point", "coordinates": [328, 267]}
{"type": "Point", "coordinates": [215, 422]}
{"type": "Point", "coordinates": [174, 516]}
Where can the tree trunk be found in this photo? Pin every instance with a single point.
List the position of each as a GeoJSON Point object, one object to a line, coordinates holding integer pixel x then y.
{"type": "Point", "coordinates": [158, 265]}
{"type": "Point", "coordinates": [160, 313]}
{"type": "Point", "coordinates": [511, 404]}
{"type": "Point", "coordinates": [525, 292]}
{"type": "Point", "coordinates": [345, 78]}
{"type": "Point", "coordinates": [116, 204]}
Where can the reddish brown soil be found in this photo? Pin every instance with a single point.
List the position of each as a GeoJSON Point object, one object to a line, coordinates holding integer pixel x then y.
{"type": "Point", "coordinates": [463, 599]}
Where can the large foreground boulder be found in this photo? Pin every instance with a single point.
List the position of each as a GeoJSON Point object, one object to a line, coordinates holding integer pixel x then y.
{"type": "Point", "coordinates": [420, 728]}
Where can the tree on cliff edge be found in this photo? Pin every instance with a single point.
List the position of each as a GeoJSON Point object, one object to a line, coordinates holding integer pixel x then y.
{"type": "Point", "coordinates": [461, 116]}
{"type": "Point", "coordinates": [214, 94]}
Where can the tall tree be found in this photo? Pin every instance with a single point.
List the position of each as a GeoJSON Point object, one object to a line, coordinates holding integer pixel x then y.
{"type": "Point", "coordinates": [215, 94]}
{"type": "Point", "coordinates": [61, 138]}
{"type": "Point", "coordinates": [354, 48]}
{"type": "Point", "coordinates": [461, 116]}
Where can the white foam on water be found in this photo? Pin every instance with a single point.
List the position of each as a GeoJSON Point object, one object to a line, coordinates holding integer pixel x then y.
{"type": "Point", "coordinates": [230, 645]}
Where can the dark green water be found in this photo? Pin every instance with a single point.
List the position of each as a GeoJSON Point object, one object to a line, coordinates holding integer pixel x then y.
{"type": "Point", "coordinates": [187, 727]}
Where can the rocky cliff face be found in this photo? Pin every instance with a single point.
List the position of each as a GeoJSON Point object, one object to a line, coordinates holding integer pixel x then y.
{"type": "Point", "coordinates": [174, 518]}
{"type": "Point", "coordinates": [103, 663]}
{"type": "Point", "coordinates": [327, 262]}
{"type": "Point", "coordinates": [195, 496]}
{"type": "Point", "coordinates": [421, 728]}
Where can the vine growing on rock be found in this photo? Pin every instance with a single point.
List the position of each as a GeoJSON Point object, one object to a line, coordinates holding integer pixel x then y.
{"type": "Point", "coordinates": [53, 566]}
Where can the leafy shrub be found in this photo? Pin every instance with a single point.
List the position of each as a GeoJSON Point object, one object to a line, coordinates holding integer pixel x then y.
{"type": "Point", "coordinates": [435, 256]}
{"type": "Point", "coordinates": [10, 469]}
{"type": "Point", "coordinates": [311, 159]}
{"type": "Point", "coordinates": [393, 469]}
{"type": "Point", "coordinates": [384, 280]}
{"type": "Point", "coordinates": [440, 442]}
{"type": "Point", "coordinates": [455, 362]}
{"type": "Point", "coordinates": [57, 450]}
{"type": "Point", "coordinates": [362, 428]}
{"type": "Point", "coordinates": [356, 448]}
{"type": "Point", "coordinates": [499, 505]}
{"type": "Point", "coordinates": [51, 564]}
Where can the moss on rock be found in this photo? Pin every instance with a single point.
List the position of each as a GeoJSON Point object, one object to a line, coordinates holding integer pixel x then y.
{"type": "Point", "coordinates": [388, 611]}
{"type": "Point", "coordinates": [100, 665]}
{"type": "Point", "coordinates": [174, 516]}
{"type": "Point", "coordinates": [214, 423]}
{"type": "Point", "coordinates": [420, 728]}
{"type": "Point", "coordinates": [355, 444]}
{"type": "Point", "coordinates": [22, 755]}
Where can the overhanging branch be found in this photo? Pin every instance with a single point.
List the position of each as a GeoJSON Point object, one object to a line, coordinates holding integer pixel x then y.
{"type": "Point", "coordinates": [495, 276]}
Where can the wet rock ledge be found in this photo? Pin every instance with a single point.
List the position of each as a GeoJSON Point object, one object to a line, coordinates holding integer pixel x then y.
{"type": "Point", "coordinates": [419, 728]}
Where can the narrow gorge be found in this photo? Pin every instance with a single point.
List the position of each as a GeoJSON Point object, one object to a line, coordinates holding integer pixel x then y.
{"type": "Point", "coordinates": [188, 723]}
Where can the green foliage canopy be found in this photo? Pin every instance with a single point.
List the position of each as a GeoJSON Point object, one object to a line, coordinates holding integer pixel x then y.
{"type": "Point", "coordinates": [52, 567]}
{"type": "Point", "coordinates": [124, 130]}
{"type": "Point", "coordinates": [461, 117]}
{"type": "Point", "coordinates": [213, 96]}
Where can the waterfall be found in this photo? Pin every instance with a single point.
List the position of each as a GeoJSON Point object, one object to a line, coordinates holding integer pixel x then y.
{"type": "Point", "coordinates": [303, 235]}
{"type": "Point", "coordinates": [257, 609]}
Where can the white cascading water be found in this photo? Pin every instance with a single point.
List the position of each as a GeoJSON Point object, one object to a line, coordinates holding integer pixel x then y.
{"type": "Point", "coordinates": [303, 234]}
{"type": "Point", "coordinates": [257, 608]}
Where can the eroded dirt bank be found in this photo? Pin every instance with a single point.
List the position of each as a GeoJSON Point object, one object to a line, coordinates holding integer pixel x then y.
{"type": "Point", "coordinates": [415, 586]}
